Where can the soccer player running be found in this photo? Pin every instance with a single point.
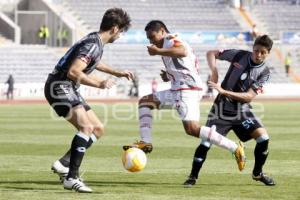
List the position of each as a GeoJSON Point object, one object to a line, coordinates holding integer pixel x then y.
{"type": "Point", "coordinates": [183, 71]}
{"type": "Point", "coordinates": [245, 78]}
{"type": "Point", "coordinates": [73, 69]}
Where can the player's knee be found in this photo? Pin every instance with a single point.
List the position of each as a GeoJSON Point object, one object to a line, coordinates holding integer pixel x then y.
{"type": "Point", "coordinates": [98, 130]}
{"type": "Point", "coordinates": [192, 129]}
{"type": "Point", "coordinates": [88, 129]}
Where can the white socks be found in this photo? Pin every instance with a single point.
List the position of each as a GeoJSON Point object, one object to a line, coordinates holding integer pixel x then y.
{"type": "Point", "coordinates": [93, 137]}
{"type": "Point", "coordinates": [145, 119]}
{"type": "Point", "coordinates": [215, 138]}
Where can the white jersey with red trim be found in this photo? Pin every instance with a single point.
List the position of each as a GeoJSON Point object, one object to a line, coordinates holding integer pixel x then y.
{"type": "Point", "coordinates": [182, 72]}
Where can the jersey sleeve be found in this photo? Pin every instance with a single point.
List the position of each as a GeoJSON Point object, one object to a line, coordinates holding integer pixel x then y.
{"type": "Point", "coordinates": [262, 79]}
{"type": "Point", "coordinates": [173, 41]}
{"type": "Point", "coordinates": [227, 55]}
{"type": "Point", "coordinates": [87, 52]}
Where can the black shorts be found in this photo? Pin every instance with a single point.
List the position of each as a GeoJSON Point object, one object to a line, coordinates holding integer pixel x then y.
{"type": "Point", "coordinates": [62, 96]}
{"type": "Point", "coordinates": [243, 123]}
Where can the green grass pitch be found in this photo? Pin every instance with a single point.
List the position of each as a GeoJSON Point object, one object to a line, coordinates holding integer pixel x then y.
{"type": "Point", "coordinates": [31, 139]}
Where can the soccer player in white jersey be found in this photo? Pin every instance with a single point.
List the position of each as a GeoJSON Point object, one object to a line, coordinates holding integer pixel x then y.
{"type": "Point", "coordinates": [182, 71]}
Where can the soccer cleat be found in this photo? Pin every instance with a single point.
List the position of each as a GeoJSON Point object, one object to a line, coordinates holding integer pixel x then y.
{"type": "Point", "coordinates": [146, 147]}
{"type": "Point", "coordinates": [77, 185]}
{"type": "Point", "coordinates": [264, 179]}
{"type": "Point", "coordinates": [190, 181]}
{"type": "Point", "coordinates": [240, 156]}
{"type": "Point", "coordinates": [60, 170]}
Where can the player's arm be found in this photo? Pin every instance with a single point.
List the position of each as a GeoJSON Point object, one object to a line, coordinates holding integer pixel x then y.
{"type": "Point", "coordinates": [108, 69]}
{"type": "Point", "coordinates": [76, 74]}
{"type": "Point", "coordinates": [177, 51]}
{"type": "Point", "coordinates": [244, 97]}
{"type": "Point", "coordinates": [211, 57]}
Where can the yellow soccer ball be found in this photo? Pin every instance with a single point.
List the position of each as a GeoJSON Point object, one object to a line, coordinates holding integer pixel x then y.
{"type": "Point", "coordinates": [134, 159]}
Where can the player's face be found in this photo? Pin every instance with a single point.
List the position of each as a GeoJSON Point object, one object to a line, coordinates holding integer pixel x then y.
{"type": "Point", "coordinates": [115, 34]}
{"type": "Point", "coordinates": [259, 54]}
{"type": "Point", "coordinates": [156, 37]}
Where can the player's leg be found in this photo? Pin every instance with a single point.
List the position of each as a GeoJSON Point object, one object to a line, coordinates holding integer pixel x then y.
{"type": "Point", "coordinates": [7, 94]}
{"type": "Point", "coordinates": [187, 106]}
{"type": "Point", "coordinates": [66, 102]}
{"type": "Point", "coordinates": [12, 94]}
{"type": "Point", "coordinates": [251, 127]}
{"type": "Point", "coordinates": [211, 135]}
{"type": "Point", "coordinates": [198, 160]}
{"type": "Point", "coordinates": [62, 165]}
{"type": "Point", "coordinates": [146, 104]}
{"type": "Point", "coordinates": [145, 107]}
{"type": "Point", "coordinates": [222, 127]}
{"type": "Point", "coordinates": [78, 116]}
{"type": "Point", "coordinates": [98, 128]}
{"type": "Point", "coordinates": [261, 154]}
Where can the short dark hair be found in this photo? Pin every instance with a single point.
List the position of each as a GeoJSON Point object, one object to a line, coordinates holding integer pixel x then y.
{"type": "Point", "coordinates": [115, 17]}
{"type": "Point", "coordinates": [264, 41]}
{"type": "Point", "coordinates": [155, 25]}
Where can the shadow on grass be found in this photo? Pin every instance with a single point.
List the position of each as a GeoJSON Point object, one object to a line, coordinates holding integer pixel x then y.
{"type": "Point", "coordinates": [163, 184]}
{"type": "Point", "coordinates": [28, 185]}
{"type": "Point", "coordinates": [44, 185]}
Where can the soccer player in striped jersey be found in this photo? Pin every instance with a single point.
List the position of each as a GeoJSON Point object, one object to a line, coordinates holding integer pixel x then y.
{"type": "Point", "coordinates": [244, 80]}
{"type": "Point", "coordinates": [182, 70]}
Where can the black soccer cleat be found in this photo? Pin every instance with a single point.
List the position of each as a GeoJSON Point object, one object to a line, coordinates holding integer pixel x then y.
{"type": "Point", "coordinates": [264, 179]}
{"type": "Point", "coordinates": [190, 181]}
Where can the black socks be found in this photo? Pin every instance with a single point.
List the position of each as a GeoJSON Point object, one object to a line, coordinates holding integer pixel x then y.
{"type": "Point", "coordinates": [199, 158]}
{"type": "Point", "coordinates": [78, 149]}
{"type": "Point", "coordinates": [65, 160]}
{"type": "Point", "coordinates": [261, 154]}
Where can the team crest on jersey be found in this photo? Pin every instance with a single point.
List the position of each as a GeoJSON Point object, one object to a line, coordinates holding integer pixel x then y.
{"type": "Point", "coordinates": [244, 76]}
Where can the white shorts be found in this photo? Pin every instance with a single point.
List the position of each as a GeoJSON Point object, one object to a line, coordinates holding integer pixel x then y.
{"type": "Point", "coordinates": [186, 102]}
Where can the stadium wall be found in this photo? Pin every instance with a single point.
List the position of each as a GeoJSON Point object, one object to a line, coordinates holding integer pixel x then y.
{"type": "Point", "coordinates": [36, 91]}
{"type": "Point", "coordinates": [11, 30]}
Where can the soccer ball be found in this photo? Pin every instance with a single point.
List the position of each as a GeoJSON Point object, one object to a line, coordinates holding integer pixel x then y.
{"type": "Point", "coordinates": [134, 159]}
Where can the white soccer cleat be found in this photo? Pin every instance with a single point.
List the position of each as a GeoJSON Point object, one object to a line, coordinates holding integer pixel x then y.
{"type": "Point", "coordinates": [60, 170]}
{"type": "Point", "coordinates": [77, 185]}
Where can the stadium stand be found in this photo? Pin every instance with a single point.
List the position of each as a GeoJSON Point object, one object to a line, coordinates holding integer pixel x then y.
{"type": "Point", "coordinates": [190, 15]}
{"type": "Point", "coordinates": [136, 58]}
{"type": "Point", "coordinates": [32, 63]}
{"type": "Point", "coordinates": [28, 63]}
{"type": "Point", "coordinates": [278, 16]}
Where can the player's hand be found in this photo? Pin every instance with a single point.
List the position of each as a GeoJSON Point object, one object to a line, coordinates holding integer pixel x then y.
{"type": "Point", "coordinates": [107, 84]}
{"type": "Point", "coordinates": [127, 74]}
{"type": "Point", "coordinates": [216, 87]}
{"type": "Point", "coordinates": [153, 50]}
{"type": "Point", "coordinates": [164, 76]}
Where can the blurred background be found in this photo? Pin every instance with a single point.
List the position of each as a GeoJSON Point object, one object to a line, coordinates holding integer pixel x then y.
{"type": "Point", "coordinates": [34, 34]}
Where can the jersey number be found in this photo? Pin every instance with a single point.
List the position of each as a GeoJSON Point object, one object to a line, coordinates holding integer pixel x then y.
{"type": "Point", "coordinates": [247, 123]}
